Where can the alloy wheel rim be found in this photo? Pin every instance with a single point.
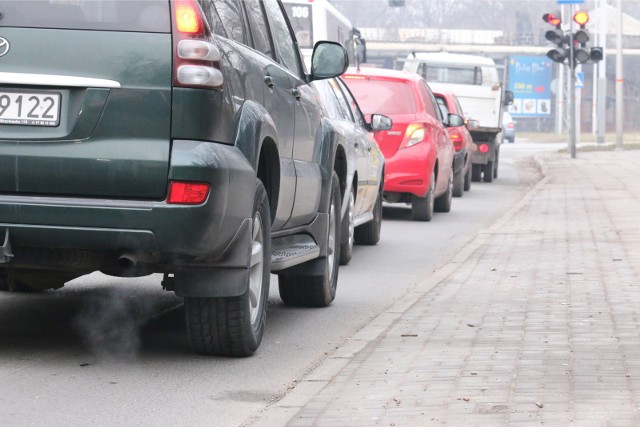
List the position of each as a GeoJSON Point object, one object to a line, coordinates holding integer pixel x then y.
{"type": "Point", "coordinates": [331, 244]}
{"type": "Point", "coordinates": [256, 268]}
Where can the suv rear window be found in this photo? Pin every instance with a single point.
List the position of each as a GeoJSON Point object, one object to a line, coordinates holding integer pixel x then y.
{"type": "Point", "coordinates": [382, 96]}
{"type": "Point", "coordinates": [109, 15]}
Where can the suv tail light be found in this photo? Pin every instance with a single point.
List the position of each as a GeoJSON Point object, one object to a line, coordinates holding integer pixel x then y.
{"type": "Point", "coordinates": [195, 59]}
{"type": "Point", "coordinates": [456, 137]}
{"type": "Point", "coordinates": [414, 134]}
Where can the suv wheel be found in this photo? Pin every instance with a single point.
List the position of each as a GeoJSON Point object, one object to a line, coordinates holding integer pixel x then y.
{"type": "Point", "coordinates": [234, 326]}
{"type": "Point", "coordinates": [346, 248]}
{"type": "Point", "coordinates": [476, 172]}
{"type": "Point", "coordinates": [369, 232]}
{"type": "Point", "coordinates": [311, 290]}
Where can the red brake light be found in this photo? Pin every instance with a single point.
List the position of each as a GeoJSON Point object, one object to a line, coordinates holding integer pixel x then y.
{"type": "Point", "coordinates": [188, 193]}
{"type": "Point", "coordinates": [484, 148]}
{"type": "Point", "coordinates": [188, 19]}
{"type": "Point", "coordinates": [456, 138]}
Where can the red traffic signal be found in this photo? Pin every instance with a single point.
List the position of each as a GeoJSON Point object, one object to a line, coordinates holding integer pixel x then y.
{"type": "Point", "coordinates": [554, 18]}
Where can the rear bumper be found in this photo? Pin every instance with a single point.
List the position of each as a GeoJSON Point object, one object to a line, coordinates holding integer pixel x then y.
{"type": "Point", "coordinates": [214, 233]}
{"type": "Point", "coordinates": [409, 170]}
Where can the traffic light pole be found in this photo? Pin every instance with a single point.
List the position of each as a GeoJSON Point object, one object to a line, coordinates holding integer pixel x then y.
{"type": "Point", "coordinates": [572, 91]}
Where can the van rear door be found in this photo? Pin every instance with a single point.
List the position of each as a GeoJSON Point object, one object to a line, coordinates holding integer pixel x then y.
{"type": "Point", "coordinates": [85, 98]}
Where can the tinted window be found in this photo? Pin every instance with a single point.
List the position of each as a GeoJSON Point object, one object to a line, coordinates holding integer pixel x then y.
{"type": "Point", "coordinates": [353, 105]}
{"type": "Point", "coordinates": [258, 27]}
{"type": "Point", "coordinates": [282, 38]}
{"type": "Point", "coordinates": [225, 16]}
{"type": "Point", "coordinates": [329, 99]}
{"type": "Point", "coordinates": [344, 105]}
{"type": "Point", "coordinates": [382, 97]}
{"type": "Point", "coordinates": [109, 15]}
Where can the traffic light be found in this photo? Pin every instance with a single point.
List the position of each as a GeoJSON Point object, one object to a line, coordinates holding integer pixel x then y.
{"type": "Point", "coordinates": [596, 54]}
{"type": "Point", "coordinates": [581, 37]}
{"type": "Point", "coordinates": [557, 37]}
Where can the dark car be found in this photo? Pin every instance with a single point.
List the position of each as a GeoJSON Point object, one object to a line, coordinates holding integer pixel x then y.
{"type": "Point", "coordinates": [461, 139]}
{"type": "Point", "coordinates": [417, 150]}
{"type": "Point", "coordinates": [362, 206]}
{"type": "Point", "coordinates": [508, 127]}
{"type": "Point", "coordinates": [179, 137]}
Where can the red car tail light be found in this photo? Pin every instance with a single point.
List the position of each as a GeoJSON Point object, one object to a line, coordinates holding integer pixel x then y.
{"type": "Point", "coordinates": [196, 59]}
{"type": "Point", "coordinates": [414, 134]}
{"type": "Point", "coordinates": [456, 138]}
{"type": "Point", "coordinates": [188, 193]}
{"type": "Point", "coordinates": [484, 148]}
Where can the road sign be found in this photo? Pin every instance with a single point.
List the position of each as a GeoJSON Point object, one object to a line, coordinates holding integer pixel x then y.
{"type": "Point", "coordinates": [570, 1]}
{"type": "Point", "coordinates": [579, 80]}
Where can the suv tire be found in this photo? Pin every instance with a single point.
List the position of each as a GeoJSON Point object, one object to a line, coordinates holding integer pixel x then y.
{"type": "Point", "coordinates": [348, 230]}
{"type": "Point", "coordinates": [234, 326]}
{"type": "Point", "coordinates": [311, 290]}
{"type": "Point", "coordinates": [369, 232]}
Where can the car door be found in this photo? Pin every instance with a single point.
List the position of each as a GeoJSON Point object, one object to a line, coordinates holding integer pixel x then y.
{"type": "Point", "coordinates": [370, 160]}
{"type": "Point", "coordinates": [441, 138]}
{"type": "Point", "coordinates": [306, 119]}
{"type": "Point", "coordinates": [279, 102]}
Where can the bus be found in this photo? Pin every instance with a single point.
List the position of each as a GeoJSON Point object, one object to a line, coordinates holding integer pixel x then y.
{"type": "Point", "coordinates": [314, 20]}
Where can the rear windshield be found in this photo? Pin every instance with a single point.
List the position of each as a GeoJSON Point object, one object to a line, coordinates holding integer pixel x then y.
{"type": "Point", "coordinates": [109, 15]}
{"type": "Point", "coordinates": [382, 96]}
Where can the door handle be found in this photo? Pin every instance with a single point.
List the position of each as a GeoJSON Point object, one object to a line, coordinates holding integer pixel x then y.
{"type": "Point", "coordinates": [296, 93]}
{"type": "Point", "coordinates": [269, 81]}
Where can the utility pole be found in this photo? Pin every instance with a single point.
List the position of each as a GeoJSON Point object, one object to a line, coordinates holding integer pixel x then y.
{"type": "Point", "coordinates": [572, 89]}
{"type": "Point", "coordinates": [601, 101]}
{"type": "Point", "coordinates": [619, 83]}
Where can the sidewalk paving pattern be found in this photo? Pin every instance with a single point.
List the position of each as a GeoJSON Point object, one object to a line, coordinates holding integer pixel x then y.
{"type": "Point", "coordinates": [535, 322]}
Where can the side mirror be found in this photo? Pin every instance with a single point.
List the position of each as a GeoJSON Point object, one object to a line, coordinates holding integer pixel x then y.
{"type": "Point", "coordinates": [329, 59]}
{"type": "Point", "coordinates": [454, 120]}
{"type": "Point", "coordinates": [472, 124]}
{"type": "Point", "coordinates": [380, 122]}
{"type": "Point", "coordinates": [508, 97]}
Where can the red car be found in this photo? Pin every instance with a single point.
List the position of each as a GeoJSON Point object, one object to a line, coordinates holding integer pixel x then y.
{"type": "Point", "coordinates": [462, 142]}
{"type": "Point", "coordinates": [418, 152]}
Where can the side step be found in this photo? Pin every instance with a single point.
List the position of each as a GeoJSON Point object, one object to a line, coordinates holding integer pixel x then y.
{"type": "Point", "coordinates": [292, 250]}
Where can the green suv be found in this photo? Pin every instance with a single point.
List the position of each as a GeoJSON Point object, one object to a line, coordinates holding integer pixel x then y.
{"type": "Point", "coordinates": [179, 137]}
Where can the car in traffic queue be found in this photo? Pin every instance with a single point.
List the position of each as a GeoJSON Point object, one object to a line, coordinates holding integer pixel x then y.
{"type": "Point", "coordinates": [461, 139]}
{"type": "Point", "coordinates": [362, 205]}
{"type": "Point", "coordinates": [417, 150]}
{"type": "Point", "coordinates": [508, 127]}
{"type": "Point", "coordinates": [190, 143]}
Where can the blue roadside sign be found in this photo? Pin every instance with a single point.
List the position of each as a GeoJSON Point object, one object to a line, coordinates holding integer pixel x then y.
{"type": "Point", "coordinates": [530, 82]}
{"type": "Point", "coordinates": [570, 1]}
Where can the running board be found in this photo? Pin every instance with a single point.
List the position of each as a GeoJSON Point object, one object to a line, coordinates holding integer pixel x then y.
{"type": "Point", "coordinates": [292, 250]}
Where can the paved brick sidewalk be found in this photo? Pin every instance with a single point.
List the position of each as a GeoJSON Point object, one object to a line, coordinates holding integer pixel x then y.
{"type": "Point", "coordinates": [536, 322]}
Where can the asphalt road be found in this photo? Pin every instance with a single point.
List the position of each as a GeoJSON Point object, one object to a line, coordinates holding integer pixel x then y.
{"type": "Point", "coordinates": [108, 351]}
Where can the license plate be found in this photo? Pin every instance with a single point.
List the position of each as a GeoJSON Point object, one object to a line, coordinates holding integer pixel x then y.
{"type": "Point", "coordinates": [30, 108]}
